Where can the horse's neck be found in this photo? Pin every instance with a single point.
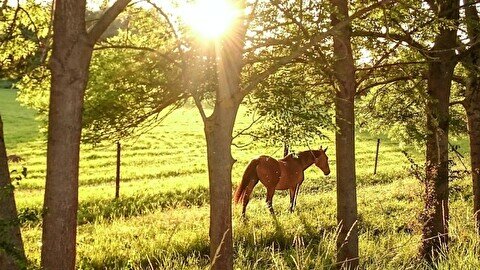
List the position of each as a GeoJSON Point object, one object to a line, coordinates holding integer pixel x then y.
{"type": "Point", "coordinates": [306, 158]}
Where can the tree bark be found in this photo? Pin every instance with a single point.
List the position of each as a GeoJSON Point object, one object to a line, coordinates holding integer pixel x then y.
{"type": "Point", "coordinates": [472, 108]}
{"type": "Point", "coordinates": [344, 68]}
{"type": "Point", "coordinates": [218, 132]}
{"type": "Point", "coordinates": [69, 67]}
{"type": "Point", "coordinates": [473, 116]}
{"type": "Point", "coordinates": [69, 63]}
{"type": "Point", "coordinates": [440, 74]}
{"type": "Point", "coordinates": [472, 104]}
{"type": "Point", "coordinates": [12, 253]}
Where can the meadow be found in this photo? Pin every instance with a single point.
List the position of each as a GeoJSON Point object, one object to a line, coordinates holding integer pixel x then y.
{"type": "Point", "coordinates": [161, 219]}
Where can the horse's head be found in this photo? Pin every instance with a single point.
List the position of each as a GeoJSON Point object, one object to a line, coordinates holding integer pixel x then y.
{"type": "Point", "coordinates": [321, 160]}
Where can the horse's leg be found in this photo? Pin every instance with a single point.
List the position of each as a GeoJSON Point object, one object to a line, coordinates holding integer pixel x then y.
{"type": "Point", "coordinates": [270, 192]}
{"type": "Point", "coordinates": [248, 192]}
{"type": "Point", "coordinates": [293, 197]}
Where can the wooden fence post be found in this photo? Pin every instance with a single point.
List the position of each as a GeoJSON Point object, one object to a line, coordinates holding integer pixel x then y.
{"type": "Point", "coordinates": [117, 179]}
{"type": "Point", "coordinates": [376, 157]}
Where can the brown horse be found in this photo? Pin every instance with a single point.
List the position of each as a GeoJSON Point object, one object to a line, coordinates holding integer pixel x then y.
{"type": "Point", "coordinates": [283, 174]}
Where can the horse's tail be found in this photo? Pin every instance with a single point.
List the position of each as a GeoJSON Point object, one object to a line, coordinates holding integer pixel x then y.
{"type": "Point", "coordinates": [249, 174]}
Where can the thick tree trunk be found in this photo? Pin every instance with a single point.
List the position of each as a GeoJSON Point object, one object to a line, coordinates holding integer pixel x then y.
{"type": "Point", "coordinates": [12, 253]}
{"type": "Point", "coordinates": [472, 104]}
{"type": "Point", "coordinates": [69, 63]}
{"type": "Point", "coordinates": [218, 132]}
{"type": "Point", "coordinates": [440, 74]}
{"type": "Point", "coordinates": [472, 107]}
{"type": "Point", "coordinates": [347, 242]}
{"type": "Point", "coordinates": [69, 66]}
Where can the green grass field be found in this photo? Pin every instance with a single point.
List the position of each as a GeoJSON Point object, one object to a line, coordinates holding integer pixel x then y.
{"type": "Point", "coordinates": [161, 219]}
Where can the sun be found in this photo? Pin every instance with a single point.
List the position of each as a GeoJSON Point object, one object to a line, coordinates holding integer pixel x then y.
{"type": "Point", "coordinates": [210, 18]}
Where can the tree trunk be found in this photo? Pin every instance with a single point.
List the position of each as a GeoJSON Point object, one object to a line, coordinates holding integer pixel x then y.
{"type": "Point", "coordinates": [472, 103]}
{"type": "Point", "coordinates": [472, 108]}
{"type": "Point", "coordinates": [12, 253]}
{"type": "Point", "coordinates": [69, 66]}
{"type": "Point", "coordinates": [440, 74]}
{"type": "Point", "coordinates": [218, 132]}
{"type": "Point", "coordinates": [69, 63]}
{"type": "Point", "coordinates": [347, 242]}
{"type": "Point", "coordinates": [473, 115]}
{"type": "Point", "coordinates": [117, 174]}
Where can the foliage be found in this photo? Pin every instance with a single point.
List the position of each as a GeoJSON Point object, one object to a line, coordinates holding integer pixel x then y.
{"type": "Point", "coordinates": [130, 84]}
{"type": "Point", "coordinates": [392, 74]}
{"type": "Point", "coordinates": [24, 35]}
{"type": "Point", "coordinates": [294, 102]}
{"type": "Point", "coordinates": [291, 107]}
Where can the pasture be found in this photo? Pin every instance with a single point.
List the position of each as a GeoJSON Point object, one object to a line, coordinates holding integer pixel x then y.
{"type": "Point", "coordinates": [161, 219]}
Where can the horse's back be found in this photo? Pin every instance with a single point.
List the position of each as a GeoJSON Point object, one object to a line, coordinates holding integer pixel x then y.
{"type": "Point", "coordinates": [268, 170]}
{"type": "Point", "coordinates": [291, 172]}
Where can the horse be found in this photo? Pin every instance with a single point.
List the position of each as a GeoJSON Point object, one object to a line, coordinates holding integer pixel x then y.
{"type": "Point", "coordinates": [283, 174]}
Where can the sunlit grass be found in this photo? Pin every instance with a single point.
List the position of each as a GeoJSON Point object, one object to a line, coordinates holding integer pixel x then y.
{"type": "Point", "coordinates": [161, 218]}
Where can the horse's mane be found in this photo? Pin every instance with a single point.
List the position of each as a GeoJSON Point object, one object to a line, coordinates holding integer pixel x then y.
{"type": "Point", "coordinates": [315, 153]}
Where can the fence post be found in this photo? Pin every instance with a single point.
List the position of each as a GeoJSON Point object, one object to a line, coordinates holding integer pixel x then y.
{"type": "Point", "coordinates": [376, 157]}
{"type": "Point", "coordinates": [117, 179]}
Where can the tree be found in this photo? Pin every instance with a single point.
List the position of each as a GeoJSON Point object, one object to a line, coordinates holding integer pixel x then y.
{"type": "Point", "coordinates": [18, 52]}
{"type": "Point", "coordinates": [437, 28]}
{"type": "Point", "coordinates": [218, 133]}
{"type": "Point", "coordinates": [471, 101]}
{"type": "Point", "coordinates": [440, 74]}
{"type": "Point", "coordinates": [69, 63]}
{"type": "Point", "coordinates": [130, 84]}
{"type": "Point", "coordinates": [344, 71]}
{"type": "Point", "coordinates": [12, 253]}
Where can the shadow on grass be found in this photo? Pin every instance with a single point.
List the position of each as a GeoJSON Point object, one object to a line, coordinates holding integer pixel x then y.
{"type": "Point", "coordinates": [261, 252]}
{"type": "Point", "coordinates": [136, 205]}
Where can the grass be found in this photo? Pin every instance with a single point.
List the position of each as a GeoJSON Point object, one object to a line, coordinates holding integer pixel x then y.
{"type": "Point", "coordinates": [161, 219]}
{"type": "Point", "coordinates": [19, 124]}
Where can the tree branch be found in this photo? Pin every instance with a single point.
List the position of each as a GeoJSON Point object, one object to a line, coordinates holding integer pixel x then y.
{"type": "Point", "coordinates": [96, 31]}
{"type": "Point", "coordinates": [199, 105]}
{"type": "Point", "coordinates": [393, 64]}
{"type": "Point", "coordinates": [313, 41]}
{"type": "Point", "coordinates": [391, 36]}
{"type": "Point", "coordinates": [254, 121]}
{"type": "Point", "coordinates": [391, 80]}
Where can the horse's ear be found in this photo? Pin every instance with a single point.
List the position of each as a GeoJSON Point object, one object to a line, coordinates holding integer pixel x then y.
{"type": "Point", "coordinates": [320, 147]}
{"type": "Point", "coordinates": [325, 150]}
